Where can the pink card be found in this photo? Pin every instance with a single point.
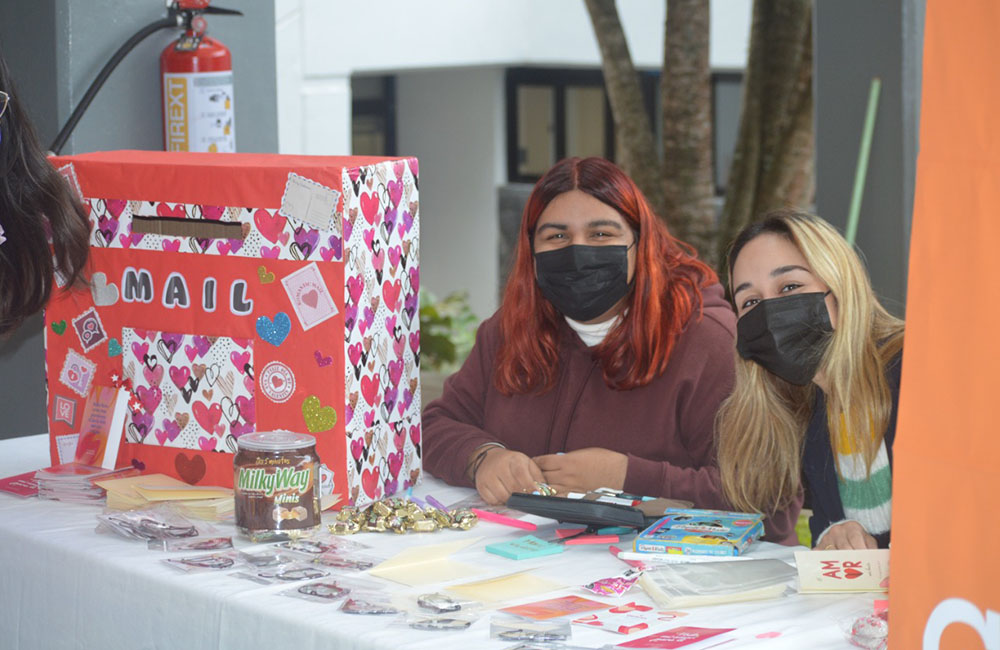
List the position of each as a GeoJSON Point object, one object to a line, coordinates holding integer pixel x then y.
{"type": "Point", "coordinates": [545, 609]}
{"type": "Point", "coordinates": [23, 485]}
{"type": "Point", "coordinates": [677, 637]}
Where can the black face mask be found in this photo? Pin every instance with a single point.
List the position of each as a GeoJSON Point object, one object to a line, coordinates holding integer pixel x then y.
{"type": "Point", "coordinates": [583, 282]}
{"type": "Point", "coordinates": [786, 335]}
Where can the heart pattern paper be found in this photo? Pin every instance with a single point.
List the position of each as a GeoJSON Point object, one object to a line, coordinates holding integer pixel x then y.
{"type": "Point", "coordinates": [197, 392]}
{"type": "Point", "coordinates": [382, 370]}
{"type": "Point", "coordinates": [266, 233]}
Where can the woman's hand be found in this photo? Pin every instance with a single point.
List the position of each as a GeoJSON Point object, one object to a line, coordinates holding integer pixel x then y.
{"type": "Point", "coordinates": [846, 536]}
{"type": "Point", "coordinates": [502, 472]}
{"type": "Point", "coordinates": [584, 469]}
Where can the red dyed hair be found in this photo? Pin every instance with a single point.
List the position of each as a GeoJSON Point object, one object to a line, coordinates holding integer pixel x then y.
{"type": "Point", "coordinates": [666, 289]}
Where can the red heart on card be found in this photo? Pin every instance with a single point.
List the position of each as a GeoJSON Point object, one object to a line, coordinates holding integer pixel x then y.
{"type": "Point", "coordinates": [369, 207]}
{"type": "Point", "coordinates": [177, 211]}
{"type": "Point", "coordinates": [180, 376]}
{"type": "Point", "coordinates": [851, 574]}
{"type": "Point", "coordinates": [369, 481]}
{"type": "Point", "coordinates": [270, 226]}
{"type": "Point", "coordinates": [369, 388]}
{"type": "Point", "coordinates": [207, 417]}
{"type": "Point", "coordinates": [390, 293]}
{"type": "Point", "coordinates": [190, 470]}
{"type": "Point", "coordinates": [311, 298]}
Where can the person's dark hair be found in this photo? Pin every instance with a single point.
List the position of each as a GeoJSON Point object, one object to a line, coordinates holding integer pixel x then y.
{"type": "Point", "coordinates": [36, 203]}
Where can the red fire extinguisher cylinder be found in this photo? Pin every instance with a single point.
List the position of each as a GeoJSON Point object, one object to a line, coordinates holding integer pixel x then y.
{"type": "Point", "coordinates": [197, 91]}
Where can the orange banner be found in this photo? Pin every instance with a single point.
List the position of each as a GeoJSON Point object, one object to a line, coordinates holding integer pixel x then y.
{"type": "Point", "coordinates": [945, 574]}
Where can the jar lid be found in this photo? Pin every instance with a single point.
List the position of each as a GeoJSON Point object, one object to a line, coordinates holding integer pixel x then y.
{"type": "Point", "coordinates": [275, 441]}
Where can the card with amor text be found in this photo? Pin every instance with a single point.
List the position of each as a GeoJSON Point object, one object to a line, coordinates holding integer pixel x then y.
{"type": "Point", "coordinates": [843, 571]}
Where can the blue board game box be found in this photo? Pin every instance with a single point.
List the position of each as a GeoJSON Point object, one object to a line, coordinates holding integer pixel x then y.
{"type": "Point", "coordinates": [690, 531]}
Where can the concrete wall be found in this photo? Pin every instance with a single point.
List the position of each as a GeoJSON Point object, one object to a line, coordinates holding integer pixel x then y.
{"type": "Point", "coordinates": [452, 120]}
{"type": "Point", "coordinates": [856, 40]}
{"type": "Point", "coordinates": [54, 49]}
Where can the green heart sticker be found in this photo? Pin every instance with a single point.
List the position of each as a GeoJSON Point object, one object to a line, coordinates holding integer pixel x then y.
{"type": "Point", "coordinates": [59, 327]}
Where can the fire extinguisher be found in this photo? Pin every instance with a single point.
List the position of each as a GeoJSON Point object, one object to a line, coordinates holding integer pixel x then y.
{"type": "Point", "coordinates": [197, 90]}
{"type": "Point", "coordinates": [196, 82]}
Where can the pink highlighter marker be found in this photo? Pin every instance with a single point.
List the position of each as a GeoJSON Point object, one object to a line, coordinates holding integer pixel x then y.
{"type": "Point", "coordinates": [486, 515]}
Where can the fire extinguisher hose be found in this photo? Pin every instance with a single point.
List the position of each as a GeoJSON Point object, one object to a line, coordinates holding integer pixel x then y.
{"type": "Point", "coordinates": [106, 71]}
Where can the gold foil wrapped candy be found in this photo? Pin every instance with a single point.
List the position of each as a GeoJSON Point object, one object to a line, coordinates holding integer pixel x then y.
{"type": "Point", "coordinates": [400, 516]}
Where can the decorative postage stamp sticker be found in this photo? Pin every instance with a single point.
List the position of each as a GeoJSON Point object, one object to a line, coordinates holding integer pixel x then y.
{"type": "Point", "coordinates": [309, 296]}
{"type": "Point", "coordinates": [89, 328]}
{"type": "Point", "coordinates": [77, 373]}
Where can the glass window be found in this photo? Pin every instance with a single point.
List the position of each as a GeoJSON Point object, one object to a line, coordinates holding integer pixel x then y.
{"type": "Point", "coordinates": [585, 121]}
{"type": "Point", "coordinates": [536, 147]}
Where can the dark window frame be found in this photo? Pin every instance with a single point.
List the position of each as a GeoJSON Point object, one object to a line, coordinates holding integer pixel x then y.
{"type": "Point", "coordinates": [384, 108]}
{"type": "Point", "coordinates": [559, 79]}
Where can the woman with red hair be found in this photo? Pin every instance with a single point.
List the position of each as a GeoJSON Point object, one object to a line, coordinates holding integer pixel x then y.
{"type": "Point", "coordinates": [606, 362]}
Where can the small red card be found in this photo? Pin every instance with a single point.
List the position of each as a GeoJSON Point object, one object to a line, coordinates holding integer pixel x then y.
{"type": "Point", "coordinates": [23, 485]}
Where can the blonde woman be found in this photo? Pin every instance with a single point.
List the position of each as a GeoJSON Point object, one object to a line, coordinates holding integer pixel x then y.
{"type": "Point", "coordinates": [817, 382]}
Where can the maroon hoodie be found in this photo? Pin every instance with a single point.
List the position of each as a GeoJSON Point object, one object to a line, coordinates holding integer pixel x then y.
{"type": "Point", "coordinates": [665, 427]}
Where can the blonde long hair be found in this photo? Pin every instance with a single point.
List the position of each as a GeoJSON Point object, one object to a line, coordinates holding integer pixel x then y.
{"type": "Point", "coordinates": [761, 426]}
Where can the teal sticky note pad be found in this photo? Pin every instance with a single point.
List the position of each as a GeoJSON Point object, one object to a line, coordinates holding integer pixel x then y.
{"type": "Point", "coordinates": [524, 548]}
{"type": "Point", "coordinates": [615, 530]}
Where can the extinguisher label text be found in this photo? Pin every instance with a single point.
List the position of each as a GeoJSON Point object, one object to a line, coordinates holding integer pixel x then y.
{"type": "Point", "coordinates": [198, 111]}
{"type": "Point", "coordinates": [176, 91]}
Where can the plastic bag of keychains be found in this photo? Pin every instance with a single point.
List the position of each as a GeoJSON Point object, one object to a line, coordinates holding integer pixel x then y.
{"type": "Point", "coordinates": [332, 589]}
{"type": "Point", "coordinates": [436, 603]}
{"type": "Point", "coordinates": [271, 565]}
{"type": "Point", "coordinates": [158, 522]}
{"type": "Point", "coordinates": [370, 603]}
{"type": "Point", "coordinates": [320, 544]}
{"type": "Point", "coordinates": [347, 561]}
{"type": "Point", "coordinates": [191, 544]}
{"type": "Point", "coordinates": [282, 573]}
{"type": "Point", "coordinates": [451, 622]}
{"type": "Point", "coordinates": [268, 556]}
{"type": "Point", "coordinates": [512, 628]}
{"type": "Point", "coordinates": [223, 561]}
{"type": "Point", "coordinates": [530, 645]}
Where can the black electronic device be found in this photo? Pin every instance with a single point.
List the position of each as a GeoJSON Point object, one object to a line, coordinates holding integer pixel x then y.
{"type": "Point", "coordinates": [580, 511]}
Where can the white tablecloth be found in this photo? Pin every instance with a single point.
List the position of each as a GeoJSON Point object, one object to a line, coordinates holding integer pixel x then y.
{"type": "Point", "coordinates": [64, 586]}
